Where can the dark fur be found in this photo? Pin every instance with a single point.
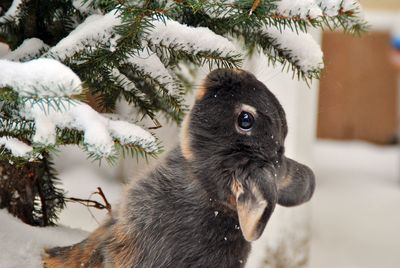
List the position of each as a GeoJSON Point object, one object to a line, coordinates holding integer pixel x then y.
{"type": "Point", "coordinates": [182, 214]}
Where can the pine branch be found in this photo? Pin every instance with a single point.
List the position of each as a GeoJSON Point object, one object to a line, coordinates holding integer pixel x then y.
{"type": "Point", "coordinates": [133, 95]}
{"type": "Point", "coordinates": [283, 47]}
{"type": "Point", "coordinates": [10, 32]}
{"type": "Point", "coordinates": [222, 15]}
{"type": "Point", "coordinates": [157, 93]}
{"type": "Point", "coordinates": [172, 54]}
{"type": "Point", "coordinates": [51, 196]}
{"type": "Point", "coordinates": [30, 49]}
{"type": "Point", "coordinates": [16, 127]}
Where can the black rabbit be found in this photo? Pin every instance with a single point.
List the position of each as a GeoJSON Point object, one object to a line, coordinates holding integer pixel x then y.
{"type": "Point", "coordinates": [212, 195]}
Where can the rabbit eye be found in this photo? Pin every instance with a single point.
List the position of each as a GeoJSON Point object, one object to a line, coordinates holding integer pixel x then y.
{"type": "Point", "coordinates": [245, 120]}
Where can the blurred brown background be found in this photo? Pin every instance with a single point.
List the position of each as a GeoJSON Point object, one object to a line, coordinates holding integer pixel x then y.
{"type": "Point", "coordinates": [359, 88]}
{"type": "Point", "coordinates": [380, 4]}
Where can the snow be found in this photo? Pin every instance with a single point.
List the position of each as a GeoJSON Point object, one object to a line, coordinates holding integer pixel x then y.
{"type": "Point", "coordinates": [129, 133]}
{"type": "Point", "coordinates": [124, 81]}
{"type": "Point", "coordinates": [332, 7]}
{"type": "Point", "coordinates": [315, 8]}
{"type": "Point", "coordinates": [301, 8]}
{"type": "Point", "coordinates": [355, 208]}
{"type": "Point", "coordinates": [17, 147]}
{"type": "Point", "coordinates": [285, 240]}
{"type": "Point", "coordinates": [21, 244]}
{"type": "Point", "coordinates": [189, 39]}
{"type": "Point", "coordinates": [12, 12]}
{"type": "Point", "coordinates": [80, 181]}
{"type": "Point", "coordinates": [95, 29]}
{"type": "Point", "coordinates": [48, 77]}
{"type": "Point", "coordinates": [30, 48]}
{"type": "Point", "coordinates": [348, 5]}
{"type": "Point", "coordinates": [300, 47]}
{"type": "Point", "coordinates": [4, 49]}
{"type": "Point", "coordinates": [150, 64]}
{"type": "Point", "coordinates": [40, 77]}
{"type": "Point", "coordinates": [99, 131]}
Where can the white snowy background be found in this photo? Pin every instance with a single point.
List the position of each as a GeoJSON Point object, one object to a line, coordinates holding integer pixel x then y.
{"type": "Point", "coordinates": [353, 220]}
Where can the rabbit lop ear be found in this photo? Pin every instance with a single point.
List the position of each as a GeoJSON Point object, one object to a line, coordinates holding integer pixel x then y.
{"type": "Point", "coordinates": [295, 184]}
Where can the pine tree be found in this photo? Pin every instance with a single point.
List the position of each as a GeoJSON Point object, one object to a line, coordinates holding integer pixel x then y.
{"type": "Point", "coordinates": [65, 52]}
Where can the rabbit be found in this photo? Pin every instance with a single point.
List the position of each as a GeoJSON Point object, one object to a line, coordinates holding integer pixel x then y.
{"type": "Point", "coordinates": [214, 192]}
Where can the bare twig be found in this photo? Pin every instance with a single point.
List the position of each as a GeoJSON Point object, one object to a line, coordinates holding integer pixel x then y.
{"type": "Point", "coordinates": [92, 203]}
{"type": "Point", "coordinates": [86, 202]}
{"type": "Point", "coordinates": [107, 204]}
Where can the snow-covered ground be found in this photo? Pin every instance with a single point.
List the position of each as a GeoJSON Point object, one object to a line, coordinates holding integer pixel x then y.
{"type": "Point", "coordinates": [21, 244]}
{"type": "Point", "coordinates": [355, 210]}
{"type": "Point", "coordinates": [356, 207]}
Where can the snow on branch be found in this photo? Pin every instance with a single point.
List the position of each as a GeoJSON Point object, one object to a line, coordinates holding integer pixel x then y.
{"type": "Point", "coordinates": [40, 77]}
{"type": "Point", "coordinates": [122, 80]}
{"type": "Point", "coordinates": [12, 12]}
{"type": "Point", "coordinates": [312, 9]}
{"type": "Point", "coordinates": [193, 40]}
{"type": "Point", "coordinates": [29, 49]}
{"type": "Point", "coordinates": [16, 147]}
{"type": "Point", "coordinates": [45, 88]}
{"type": "Point", "coordinates": [94, 30]}
{"type": "Point", "coordinates": [335, 7]}
{"type": "Point", "coordinates": [300, 48]}
{"type": "Point", "coordinates": [220, 9]}
{"type": "Point", "coordinates": [127, 133]}
{"type": "Point", "coordinates": [100, 133]}
{"type": "Point", "coordinates": [302, 8]}
{"type": "Point", "coordinates": [135, 83]}
{"type": "Point", "coordinates": [150, 64]}
{"type": "Point", "coordinates": [132, 92]}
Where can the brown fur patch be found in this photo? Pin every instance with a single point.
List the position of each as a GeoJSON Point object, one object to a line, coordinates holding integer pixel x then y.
{"type": "Point", "coordinates": [185, 139]}
{"type": "Point", "coordinates": [236, 188]}
{"type": "Point", "coordinates": [78, 255]}
{"type": "Point", "coordinates": [201, 91]}
{"type": "Point", "coordinates": [51, 262]}
{"type": "Point", "coordinates": [122, 251]}
{"type": "Point", "coordinates": [232, 200]}
{"type": "Point", "coordinates": [249, 210]}
{"type": "Point", "coordinates": [237, 71]}
{"type": "Point", "coordinates": [73, 259]}
{"type": "Point", "coordinates": [250, 213]}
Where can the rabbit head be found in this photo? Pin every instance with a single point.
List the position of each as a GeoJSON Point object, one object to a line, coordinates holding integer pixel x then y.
{"type": "Point", "coordinates": [233, 139]}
